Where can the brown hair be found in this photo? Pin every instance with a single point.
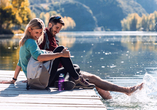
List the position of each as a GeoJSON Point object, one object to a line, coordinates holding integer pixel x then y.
{"type": "Point", "coordinates": [56, 19]}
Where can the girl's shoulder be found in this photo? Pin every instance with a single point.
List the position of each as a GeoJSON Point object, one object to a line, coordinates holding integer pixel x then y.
{"type": "Point", "coordinates": [30, 41]}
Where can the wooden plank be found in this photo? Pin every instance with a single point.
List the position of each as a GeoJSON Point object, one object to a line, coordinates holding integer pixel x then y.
{"type": "Point", "coordinates": [15, 96]}
{"type": "Point", "coordinates": [36, 107]}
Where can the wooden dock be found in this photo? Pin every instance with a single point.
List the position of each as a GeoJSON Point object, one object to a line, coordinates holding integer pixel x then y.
{"type": "Point", "coordinates": [16, 97]}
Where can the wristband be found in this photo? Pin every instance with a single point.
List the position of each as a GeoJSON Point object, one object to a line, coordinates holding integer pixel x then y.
{"type": "Point", "coordinates": [14, 79]}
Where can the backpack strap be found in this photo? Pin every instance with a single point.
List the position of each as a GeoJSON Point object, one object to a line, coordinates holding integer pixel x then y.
{"type": "Point", "coordinates": [27, 87]}
{"type": "Point", "coordinates": [50, 66]}
{"type": "Point", "coordinates": [46, 42]}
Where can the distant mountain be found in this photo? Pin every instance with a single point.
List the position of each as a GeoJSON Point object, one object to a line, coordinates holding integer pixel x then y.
{"type": "Point", "coordinates": [37, 9]}
{"type": "Point", "coordinates": [149, 5]}
{"type": "Point", "coordinates": [109, 13]}
{"type": "Point", "coordinates": [81, 14]}
{"type": "Point", "coordinates": [89, 14]}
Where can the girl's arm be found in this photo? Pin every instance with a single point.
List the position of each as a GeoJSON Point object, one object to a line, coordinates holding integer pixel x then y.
{"type": "Point", "coordinates": [17, 71]}
{"type": "Point", "coordinates": [46, 57]}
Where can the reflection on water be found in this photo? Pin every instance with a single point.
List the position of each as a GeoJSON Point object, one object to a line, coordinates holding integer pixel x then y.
{"type": "Point", "coordinates": [136, 43]}
{"type": "Point", "coordinates": [66, 41]}
{"type": "Point", "coordinates": [122, 59]}
{"type": "Point", "coordinates": [114, 55]}
{"type": "Point", "coordinates": [9, 53]}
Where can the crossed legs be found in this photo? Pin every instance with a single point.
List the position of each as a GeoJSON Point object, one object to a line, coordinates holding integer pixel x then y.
{"type": "Point", "coordinates": [62, 70]}
{"type": "Point", "coordinates": [67, 64]}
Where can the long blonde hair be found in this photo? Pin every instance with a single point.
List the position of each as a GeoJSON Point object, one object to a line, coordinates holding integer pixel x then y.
{"type": "Point", "coordinates": [35, 23]}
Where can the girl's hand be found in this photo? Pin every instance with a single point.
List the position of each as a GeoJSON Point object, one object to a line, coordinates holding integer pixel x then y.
{"type": "Point", "coordinates": [65, 53]}
{"type": "Point", "coordinates": [11, 82]}
{"type": "Point", "coordinates": [7, 82]}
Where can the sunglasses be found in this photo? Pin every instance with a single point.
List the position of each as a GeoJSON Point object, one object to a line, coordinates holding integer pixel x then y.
{"type": "Point", "coordinates": [57, 18]}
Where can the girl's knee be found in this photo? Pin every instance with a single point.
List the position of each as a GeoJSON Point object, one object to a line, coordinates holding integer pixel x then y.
{"type": "Point", "coordinates": [59, 49]}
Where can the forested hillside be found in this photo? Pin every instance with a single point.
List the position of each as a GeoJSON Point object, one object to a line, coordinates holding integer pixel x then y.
{"type": "Point", "coordinates": [109, 13]}
{"type": "Point", "coordinates": [89, 14]}
{"type": "Point", "coordinates": [79, 15]}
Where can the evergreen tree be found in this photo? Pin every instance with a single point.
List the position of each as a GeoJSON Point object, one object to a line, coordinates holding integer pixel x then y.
{"type": "Point", "coordinates": [155, 15]}
{"type": "Point", "coordinates": [133, 24]}
{"type": "Point", "coordinates": [144, 23]}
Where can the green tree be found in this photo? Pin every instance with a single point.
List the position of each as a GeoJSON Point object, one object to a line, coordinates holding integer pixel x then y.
{"type": "Point", "coordinates": [151, 22]}
{"type": "Point", "coordinates": [42, 16]}
{"type": "Point", "coordinates": [155, 18]}
{"type": "Point", "coordinates": [7, 16]}
{"type": "Point", "coordinates": [144, 23]}
{"type": "Point", "coordinates": [14, 12]}
{"type": "Point", "coordinates": [133, 23]}
{"type": "Point", "coordinates": [125, 25]}
{"type": "Point", "coordinates": [22, 11]}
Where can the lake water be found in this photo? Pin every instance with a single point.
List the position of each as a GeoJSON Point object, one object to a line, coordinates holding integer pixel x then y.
{"type": "Point", "coordinates": [124, 58]}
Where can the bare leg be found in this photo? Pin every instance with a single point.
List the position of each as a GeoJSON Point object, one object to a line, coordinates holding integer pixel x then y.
{"type": "Point", "coordinates": [108, 86]}
{"type": "Point", "coordinates": [104, 94]}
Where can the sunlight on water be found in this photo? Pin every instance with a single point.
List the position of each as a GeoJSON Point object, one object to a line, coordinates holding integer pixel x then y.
{"type": "Point", "coordinates": [140, 100]}
{"type": "Point", "coordinates": [150, 84]}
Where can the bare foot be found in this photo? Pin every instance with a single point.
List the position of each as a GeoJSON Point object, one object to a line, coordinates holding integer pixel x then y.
{"type": "Point", "coordinates": [133, 89]}
{"type": "Point", "coordinates": [24, 81]}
